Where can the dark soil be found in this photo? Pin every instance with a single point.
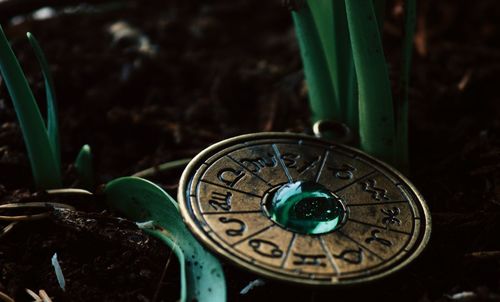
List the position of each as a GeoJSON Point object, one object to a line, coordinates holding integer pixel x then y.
{"type": "Point", "coordinates": [216, 69]}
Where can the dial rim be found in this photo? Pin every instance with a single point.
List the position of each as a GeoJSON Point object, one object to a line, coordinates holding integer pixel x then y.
{"type": "Point", "coordinates": [219, 248]}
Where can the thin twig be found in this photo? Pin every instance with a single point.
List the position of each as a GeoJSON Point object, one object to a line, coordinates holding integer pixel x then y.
{"type": "Point", "coordinates": [72, 191]}
{"type": "Point", "coordinates": [8, 228]}
{"type": "Point", "coordinates": [34, 295]}
{"type": "Point", "coordinates": [464, 81]}
{"type": "Point", "coordinates": [44, 296]}
{"type": "Point", "coordinates": [484, 255]}
{"type": "Point", "coordinates": [25, 217]}
{"type": "Point", "coordinates": [163, 167]}
{"type": "Point", "coordinates": [163, 273]}
{"type": "Point", "coordinates": [6, 297]}
{"type": "Point", "coordinates": [19, 205]}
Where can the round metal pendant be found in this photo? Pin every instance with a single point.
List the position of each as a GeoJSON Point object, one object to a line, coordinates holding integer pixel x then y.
{"type": "Point", "coordinates": [297, 208]}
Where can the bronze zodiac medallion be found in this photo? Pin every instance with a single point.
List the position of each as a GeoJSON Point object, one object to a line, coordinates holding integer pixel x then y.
{"type": "Point", "coordinates": [296, 208]}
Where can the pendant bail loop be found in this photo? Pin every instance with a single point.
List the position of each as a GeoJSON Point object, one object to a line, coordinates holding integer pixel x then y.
{"type": "Point", "coordinates": [333, 130]}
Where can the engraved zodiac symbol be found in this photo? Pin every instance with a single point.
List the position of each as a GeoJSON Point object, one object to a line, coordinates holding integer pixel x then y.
{"type": "Point", "coordinates": [234, 232]}
{"type": "Point", "coordinates": [351, 256]}
{"type": "Point", "coordinates": [313, 260]}
{"type": "Point", "coordinates": [343, 172]}
{"type": "Point", "coordinates": [256, 164]}
{"type": "Point", "coordinates": [378, 239]}
{"type": "Point", "coordinates": [370, 186]}
{"type": "Point", "coordinates": [290, 159]}
{"type": "Point", "coordinates": [309, 165]}
{"type": "Point", "coordinates": [274, 252]}
{"type": "Point", "coordinates": [230, 176]}
{"type": "Point", "coordinates": [391, 216]}
{"type": "Point", "coordinates": [221, 201]}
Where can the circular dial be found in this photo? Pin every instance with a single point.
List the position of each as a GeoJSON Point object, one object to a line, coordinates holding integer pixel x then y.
{"type": "Point", "coordinates": [300, 209]}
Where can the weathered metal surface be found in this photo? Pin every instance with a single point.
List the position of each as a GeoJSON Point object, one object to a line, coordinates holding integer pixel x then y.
{"type": "Point", "coordinates": [223, 189]}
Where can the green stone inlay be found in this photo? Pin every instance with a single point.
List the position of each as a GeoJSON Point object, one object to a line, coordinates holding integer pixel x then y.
{"type": "Point", "coordinates": [305, 207]}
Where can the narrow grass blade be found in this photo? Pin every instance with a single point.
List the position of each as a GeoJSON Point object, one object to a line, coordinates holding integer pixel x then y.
{"type": "Point", "coordinates": [376, 117]}
{"type": "Point", "coordinates": [322, 100]}
{"type": "Point", "coordinates": [401, 105]}
{"type": "Point", "coordinates": [202, 277]}
{"type": "Point", "coordinates": [52, 123]}
{"type": "Point", "coordinates": [84, 168]}
{"type": "Point", "coordinates": [43, 162]}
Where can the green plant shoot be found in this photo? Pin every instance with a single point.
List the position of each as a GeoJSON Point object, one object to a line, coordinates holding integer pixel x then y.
{"type": "Point", "coordinates": [202, 277]}
{"type": "Point", "coordinates": [84, 169]}
{"type": "Point", "coordinates": [52, 122]}
{"type": "Point", "coordinates": [324, 105]}
{"type": "Point", "coordinates": [376, 115]}
{"type": "Point", "coordinates": [45, 163]}
{"type": "Point", "coordinates": [346, 72]}
{"type": "Point", "coordinates": [401, 104]}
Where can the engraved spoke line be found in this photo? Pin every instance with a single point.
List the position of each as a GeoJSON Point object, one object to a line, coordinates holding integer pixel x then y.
{"type": "Point", "coordinates": [252, 235]}
{"type": "Point", "coordinates": [376, 203]}
{"type": "Point", "coordinates": [355, 181]}
{"type": "Point", "coordinates": [282, 163]}
{"type": "Point", "coordinates": [229, 188]}
{"type": "Point", "coordinates": [288, 250]}
{"type": "Point", "coordinates": [233, 212]}
{"type": "Point", "coordinates": [379, 227]}
{"type": "Point", "coordinates": [318, 175]}
{"type": "Point", "coordinates": [246, 168]}
{"type": "Point", "coordinates": [309, 167]}
{"type": "Point", "coordinates": [329, 255]}
{"type": "Point", "coordinates": [361, 245]}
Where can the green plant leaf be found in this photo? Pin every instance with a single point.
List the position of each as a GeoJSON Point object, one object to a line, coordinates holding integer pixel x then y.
{"type": "Point", "coordinates": [52, 123]}
{"type": "Point", "coordinates": [376, 113]}
{"type": "Point", "coordinates": [331, 23]}
{"type": "Point", "coordinates": [202, 277]}
{"type": "Point", "coordinates": [84, 169]}
{"type": "Point", "coordinates": [43, 162]}
{"type": "Point", "coordinates": [401, 104]}
{"type": "Point", "coordinates": [322, 100]}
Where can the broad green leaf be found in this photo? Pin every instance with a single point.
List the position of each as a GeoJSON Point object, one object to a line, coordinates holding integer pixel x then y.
{"type": "Point", "coordinates": [52, 123]}
{"type": "Point", "coordinates": [84, 169]}
{"type": "Point", "coordinates": [202, 277]}
{"type": "Point", "coordinates": [376, 113]}
{"type": "Point", "coordinates": [44, 164]}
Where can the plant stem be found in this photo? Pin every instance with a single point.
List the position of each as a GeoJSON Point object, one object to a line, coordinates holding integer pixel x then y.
{"type": "Point", "coordinates": [401, 105]}
{"type": "Point", "coordinates": [376, 117]}
{"type": "Point", "coordinates": [324, 105]}
{"type": "Point", "coordinates": [342, 69]}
